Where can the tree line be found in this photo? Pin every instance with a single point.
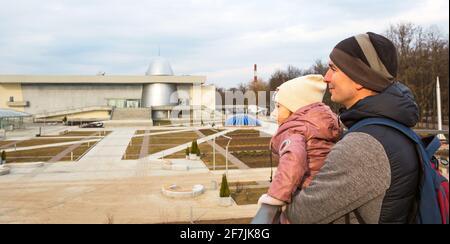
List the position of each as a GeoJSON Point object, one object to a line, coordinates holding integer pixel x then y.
{"type": "Point", "coordinates": [422, 54]}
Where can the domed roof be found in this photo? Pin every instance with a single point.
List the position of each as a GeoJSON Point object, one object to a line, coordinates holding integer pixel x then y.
{"type": "Point", "coordinates": [242, 120]}
{"type": "Point", "coordinates": [159, 66]}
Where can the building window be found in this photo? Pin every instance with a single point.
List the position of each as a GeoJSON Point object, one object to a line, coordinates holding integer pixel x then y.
{"type": "Point", "coordinates": [124, 103]}
{"type": "Point", "coordinates": [132, 104]}
{"type": "Point", "coordinates": [11, 99]}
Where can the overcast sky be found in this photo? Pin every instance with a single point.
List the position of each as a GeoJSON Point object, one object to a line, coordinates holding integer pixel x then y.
{"type": "Point", "coordinates": [221, 39]}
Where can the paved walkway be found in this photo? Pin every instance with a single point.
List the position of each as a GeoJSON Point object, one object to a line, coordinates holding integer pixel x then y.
{"type": "Point", "coordinates": [68, 150]}
{"type": "Point", "coordinates": [71, 197]}
{"type": "Point", "coordinates": [102, 185]}
{"type": "Point", "coordinates": [111, 148]}
{"type": "Point", "coordinates": [144, 146]}
{"type": "Point", "coordinates": [62, 154]}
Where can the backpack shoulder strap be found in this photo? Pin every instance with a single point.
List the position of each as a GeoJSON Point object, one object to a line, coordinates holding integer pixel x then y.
{"type": "Point", "coordinates": [428, 209]}
{"type": "Point", "coordinates": [390, 123]}
{"type": "Point", "coordinates": [432, 144]}
{"type": "Point", "coordinates": [430, 148]}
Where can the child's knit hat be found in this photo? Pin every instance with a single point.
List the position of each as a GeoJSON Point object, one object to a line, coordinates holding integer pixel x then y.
{"type": "Point", "coordinates": [299, 92]}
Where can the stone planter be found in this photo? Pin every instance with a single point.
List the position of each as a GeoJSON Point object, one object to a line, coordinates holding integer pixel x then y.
{"type": "Point", "coordinates": [193, 156]}
{"type": "Point", "coordinates": [4, 170]}
{"type": "Point", "coordinates": [175, 191]}
{"type": "Point", "coordinates": [167, 165]}
{"type": "Point", "coordinates": [180, 167]}
{"type": "Point", "coordinates": [225, 201]}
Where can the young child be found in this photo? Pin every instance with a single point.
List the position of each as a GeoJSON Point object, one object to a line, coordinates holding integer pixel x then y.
{"type": "Point", "coordinates": [307, 131]}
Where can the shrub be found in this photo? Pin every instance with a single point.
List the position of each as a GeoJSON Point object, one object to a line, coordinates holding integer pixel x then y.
{"type": "Point", "coordinates": [194, 148]}
{"type": "Point", "coordinates": [198, 151]}
{"type": "Point", "coordinates": [224, 189]}
{"type": "Point", "coordinates": [187, 151]}
{"type": "Point", "coordinates": [3, 156]}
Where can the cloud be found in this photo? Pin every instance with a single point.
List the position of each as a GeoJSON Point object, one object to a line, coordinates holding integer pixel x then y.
{"type": "Point", "coordinates": [218, 38]}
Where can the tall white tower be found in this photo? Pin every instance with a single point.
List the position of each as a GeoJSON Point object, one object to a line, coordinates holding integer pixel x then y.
{"type": "Point", "coordinates": [439, 108]}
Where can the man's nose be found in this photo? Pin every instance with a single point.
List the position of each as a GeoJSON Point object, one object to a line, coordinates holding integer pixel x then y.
{"type": "Point", "coordinates": [328, 75]}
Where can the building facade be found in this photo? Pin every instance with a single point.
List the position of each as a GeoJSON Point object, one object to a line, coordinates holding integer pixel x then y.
{"type": "Point", "coordinates": [53, 97]}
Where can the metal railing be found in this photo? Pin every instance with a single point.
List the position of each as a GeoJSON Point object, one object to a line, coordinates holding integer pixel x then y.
{"type": "Point", "coordinates": [431, 131]}
{"type": "Point", "coordinates": [267, 214]}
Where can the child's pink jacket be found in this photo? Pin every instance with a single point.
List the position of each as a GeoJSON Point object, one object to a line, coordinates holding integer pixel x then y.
{"type": "Point", "coordinates": [302, 144]}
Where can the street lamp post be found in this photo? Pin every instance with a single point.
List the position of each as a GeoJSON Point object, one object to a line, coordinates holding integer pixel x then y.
{"type": "Point", "coordinates": [226, 153]}
{"type": "Point", "coordinates": [439, 108]}
{"type": "Point", "coordinates": [214, 150]}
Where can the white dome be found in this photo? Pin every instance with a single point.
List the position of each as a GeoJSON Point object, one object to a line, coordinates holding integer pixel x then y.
{"type": "Point", "coordinates": [159, 66]}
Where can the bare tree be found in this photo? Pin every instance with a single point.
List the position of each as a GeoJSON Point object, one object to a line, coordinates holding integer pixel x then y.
{"type": "Point", "coordinates": [242, 87]}
{"type": "Point", "coordinates": [281, 76]}
{"type": "Point", "coordinates": [423, 56]}
{"type": "Point", "coordinates": [258, 86]}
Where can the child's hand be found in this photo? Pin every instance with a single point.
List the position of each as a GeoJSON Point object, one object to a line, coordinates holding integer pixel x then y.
{"type": "Point", "coordinates": [266, 199]}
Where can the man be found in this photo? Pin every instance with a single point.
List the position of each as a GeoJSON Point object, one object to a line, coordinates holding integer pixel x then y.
{"type": "Point", "coordinates": [371, 175]}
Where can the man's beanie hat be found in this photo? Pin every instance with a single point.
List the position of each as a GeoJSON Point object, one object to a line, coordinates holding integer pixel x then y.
{"type": "Point", "coordinates": [368, 59]}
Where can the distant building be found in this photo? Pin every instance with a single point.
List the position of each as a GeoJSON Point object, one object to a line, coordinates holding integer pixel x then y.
{"type": "Point", "coordinates": [96, 97]}
{"type": "Point", "coordinates": [10, 120]}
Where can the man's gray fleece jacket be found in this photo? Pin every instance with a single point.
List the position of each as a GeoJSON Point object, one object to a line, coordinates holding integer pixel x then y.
{"type": "Point", "coordinates": [372, 173]}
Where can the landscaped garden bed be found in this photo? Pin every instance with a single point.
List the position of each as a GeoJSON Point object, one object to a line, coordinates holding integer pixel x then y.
{"type": "Point", "coordinates": [157, 143]}
{"type": "Point", "coordinates": [4, 143]}
{"type": "Point", "coordinates": [40, 142]}
{"type": "Point", "coordinates": [134, 148]}
{"type": "Point", "coordinates": [41, 155]}
{"type": "Point", "coordinates": [208, 132]}
{"type": "Point", "coordinates": [256, 159]}
{"type": "Point", "coordinates": [207, 156]}
{"type": "Point", "coordinates": [244, 193]}
{"type": "Point", "coordinates": [249, 146]}
{"type": "Point", "coordinates": [163, 142]}
{"type": "Point", "coordinates": [248, 195]}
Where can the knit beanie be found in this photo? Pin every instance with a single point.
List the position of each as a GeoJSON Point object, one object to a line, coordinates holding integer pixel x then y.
{"type": "Point", "coordinates": [302, 91]}
{"type": "Point", "coordinates": [368, 59]}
